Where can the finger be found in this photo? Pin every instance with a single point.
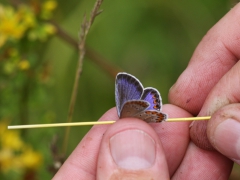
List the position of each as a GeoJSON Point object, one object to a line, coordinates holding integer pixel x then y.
{"type": "Point", "coordinates": [81, 164]}
{"type": "Point", "coordinates": [201, 164]}
{"type": "Point", "coordinates": [174, 136]}
{"type": "Point", "coordinates": [131, 149]}
{"type": "Point", "coordinates": [215, 55]}
{"type": "Point", "coordinates": [224, 131]}
{"type": "Point", "coordinates": [225, 92]}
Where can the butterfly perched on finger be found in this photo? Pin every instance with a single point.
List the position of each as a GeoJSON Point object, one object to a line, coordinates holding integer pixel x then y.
{"type": "Point", "coordinates": [132, 100]}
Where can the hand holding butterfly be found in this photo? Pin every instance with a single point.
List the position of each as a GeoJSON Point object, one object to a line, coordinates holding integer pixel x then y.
{"type": "Point", "coordinates": [210, 85]}
{"type": "Point", "coordinates": [129, 148]}
{"type": "Point", "coordinates": [137, 150]}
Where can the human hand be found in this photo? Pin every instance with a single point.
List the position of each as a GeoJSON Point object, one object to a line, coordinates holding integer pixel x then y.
{"type": "Point", "coordinates": [163, 150]}
{"type": "Point", "coordinates": [133, 149]}
{"type": "Point", "coordinates": [210, 85]}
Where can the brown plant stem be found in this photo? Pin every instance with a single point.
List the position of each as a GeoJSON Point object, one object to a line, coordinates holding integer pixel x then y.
{"type": "Point", "coordinates": [85, 27]}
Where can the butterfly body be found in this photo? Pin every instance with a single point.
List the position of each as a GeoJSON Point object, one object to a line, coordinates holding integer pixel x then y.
{"type": "Point", "coordinates": [132, 100]}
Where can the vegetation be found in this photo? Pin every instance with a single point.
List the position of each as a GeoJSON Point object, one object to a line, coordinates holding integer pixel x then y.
{"type": "Point", "coordinates": [39, 56]}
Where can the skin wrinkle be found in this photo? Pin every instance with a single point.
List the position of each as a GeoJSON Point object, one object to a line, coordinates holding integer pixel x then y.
{"type": "Point", "coordinates": [237, 38]}
{"type": "Point", "coordinates": [236, 74]}
{"type": "Point", "coordinates": [235, 58]}
{"type": "Point", "coordinates": [77, 163]}
{"type": "Point", "coordinates": [122, 174]}
{"type": "Point", "coordinates": [209, 82]}
{"type": "Point", "coordinates": [227, 112]}
{"type": "Point", "coordinates": [194, 158]}
{"type": "Point", "coordinates": [220, 60]}
{"type": "Point", "coordinates": [216, 42]}
{"type": "Point", "coordinates": [221, 115]}
{"type": "Point", "coordinates": [170, 131]}
{"type": "Point", "coordinates": [217, 103]}
{"type": "Point", "coordinates": [86, 173]}
{"type": "Point", "coordinates": [218, 98]}
{"type": "Point", "coordinates": [224, 48]}
{"type": "Point", "coordinates": [83, 152]}
{"type": "Point", "coordinates": [213, 39]}
{"type": "Point", "coordinates": [108, 165]}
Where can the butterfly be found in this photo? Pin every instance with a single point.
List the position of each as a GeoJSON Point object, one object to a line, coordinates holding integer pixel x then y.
{"type": "Point", "coordinates": [132, 100]}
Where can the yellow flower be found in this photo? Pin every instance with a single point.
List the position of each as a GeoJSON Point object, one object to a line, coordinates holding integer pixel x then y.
{"type": "Point", "coordinates": [6, 157]}
{"type": "Point", "coordinates": [10, 28]}
{"type": "Point", "coordinates": [23, 65]}
{"type": "Point", "coordinates": [47, 8]}
{"type": "Point", "coordinates": [10, 23]}
{"type": "Point", "coordinates": [2, 40]}
{"type": "Point", "coordinates": [49, 5]}
{"type": "Point", "coordinates": [15, 155]}
{"type": "Point", "coordinates": [27, 16]}
{"type": "Point", "coordinates": [9, 139]}
{"type": "Point", "coordinates": [12, 140]}
{"type": "Point", "coordinates": [30, 159]}
{"type": "Point", "coordinates": [49, 29]}
{"type": "Point", "coordinates": [14, 23]}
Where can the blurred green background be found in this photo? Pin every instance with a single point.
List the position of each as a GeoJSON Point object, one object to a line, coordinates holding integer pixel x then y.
{"type": "Point", "coordinates": [152, 40]}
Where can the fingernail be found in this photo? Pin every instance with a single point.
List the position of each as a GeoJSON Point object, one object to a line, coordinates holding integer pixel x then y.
{"type": "Point", "coordinates": [227, 138]}
{"type": "Point", "coordinates": [133, 149]}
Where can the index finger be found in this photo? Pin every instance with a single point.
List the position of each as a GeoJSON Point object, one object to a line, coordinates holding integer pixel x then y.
{"type": "Point", "coordinates": [215, 55]}
{"type": "Point", "coordinates": [83, 160]}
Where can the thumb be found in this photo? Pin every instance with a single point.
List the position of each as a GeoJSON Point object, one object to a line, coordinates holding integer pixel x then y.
{"type": "Point", "coordinates": [131, 149]}
{"type": "Point", "coordinates": [223, 131]}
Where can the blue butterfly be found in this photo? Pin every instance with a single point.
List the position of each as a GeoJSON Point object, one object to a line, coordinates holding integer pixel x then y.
{"type": "Point", "coordinates": [132, 100]}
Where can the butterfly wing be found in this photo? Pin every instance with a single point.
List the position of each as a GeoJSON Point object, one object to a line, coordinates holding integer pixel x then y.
{"type": "Point", "coordinates": [132, 108]}
{"type": "Point", "coordinates": [127, 87]}
{"type": "Point", "coordinates": [134, 101]}
{"type": "Point", "coordinates": [151, 116]}
{"type": "Point", "coordinates": [152, 96]}
{"type": "Point", "coordinates": [138, 109]}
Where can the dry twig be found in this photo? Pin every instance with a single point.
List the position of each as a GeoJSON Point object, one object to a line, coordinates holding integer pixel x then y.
{"type": "Point", "coordinates": [85, 27]}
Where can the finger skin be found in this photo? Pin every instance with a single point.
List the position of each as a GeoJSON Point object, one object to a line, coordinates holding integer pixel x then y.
{"type": "Point", "coordinates": [108, 168]}
{"type": "Point", "coordinates": [215, 55]}
{"type": "Point", "coordinates": [226, 91]}
{"type": "Point", "coordinates": [207, 75]}
{"type": "Point", "coordinates": [82, 163]}
{"type": "Point", "coordinates": [205, 165]}
{"type": "Point", "coordinates": [226, 139]}
{"type": "Point", "coordinates": [174, 136]}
